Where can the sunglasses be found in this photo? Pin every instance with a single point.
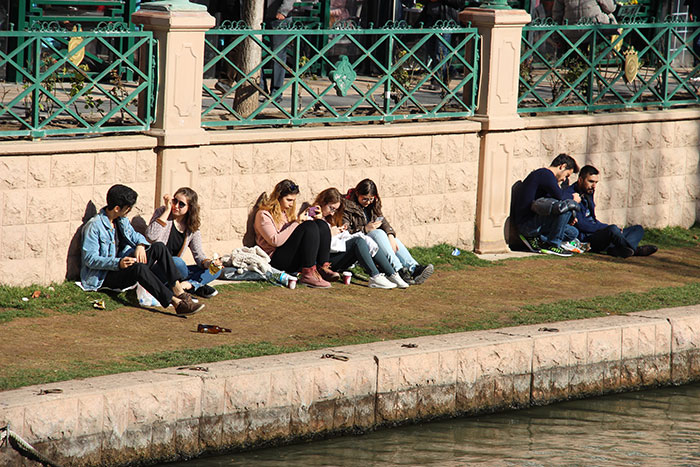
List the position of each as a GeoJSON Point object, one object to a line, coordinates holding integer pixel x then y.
{"type": "Point", "coordinates": [177, 202]}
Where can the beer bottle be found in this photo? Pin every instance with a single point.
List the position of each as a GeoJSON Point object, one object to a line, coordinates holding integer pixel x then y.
{"type": "Point", "coordinates": [211, 329]}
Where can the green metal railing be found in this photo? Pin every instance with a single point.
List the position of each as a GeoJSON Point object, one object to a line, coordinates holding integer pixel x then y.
{"type": "Point", "coordinates": [363, 75]}
{"type": "Point", "coordinates": [60, 95]}
{"type": "Point", "coordinates": [591, 67]}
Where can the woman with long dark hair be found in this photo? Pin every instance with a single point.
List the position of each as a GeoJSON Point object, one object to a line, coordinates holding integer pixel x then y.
{"type": "Point", "coordinates": [294, 242]}
{"type": "Point", "coordinates": [332, 205]}
{"type": "Point", "coordinates": [363, 213]}
{"type": "Point", "coordinates": [176, 224]}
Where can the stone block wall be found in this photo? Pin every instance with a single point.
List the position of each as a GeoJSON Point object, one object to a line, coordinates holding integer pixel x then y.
{"type": "Point", "coordinates": [48, 189]}
{"type": "Point", "coordinates": [649, 162]}
{"type": "Point", "coordinates": [426, 174]}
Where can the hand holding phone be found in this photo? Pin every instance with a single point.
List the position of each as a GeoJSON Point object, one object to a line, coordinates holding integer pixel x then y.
{"type": "Point", "coordinates": [312, 211]}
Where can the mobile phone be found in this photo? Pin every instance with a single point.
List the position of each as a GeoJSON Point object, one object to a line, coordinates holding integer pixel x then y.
{"type": "Point", "coordinates": [312, 211]}
{"type": "Point", "coordinates": [379, 219]}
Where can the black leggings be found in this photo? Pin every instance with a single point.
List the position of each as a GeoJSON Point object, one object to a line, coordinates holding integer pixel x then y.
{"type": "Point", "coordinates": [309, 245]}
{"type": "Point", "coordinates": [159, 265]}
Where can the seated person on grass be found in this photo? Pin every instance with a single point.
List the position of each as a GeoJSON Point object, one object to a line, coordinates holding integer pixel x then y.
{"type": "Point", "coordinates": [546, 234]}
{"type": "Point", "coordinates": [176, 224]}
{"type": "Point", "coordinates": [604, 238]}
{"type": "Point", "coordinates": [114, 256]}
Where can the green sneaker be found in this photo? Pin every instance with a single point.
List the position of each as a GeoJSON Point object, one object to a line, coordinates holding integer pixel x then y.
{"type": "Point", "coordinates": [555, 250]}
{"type": "Point", "coordinates": [532, 243]}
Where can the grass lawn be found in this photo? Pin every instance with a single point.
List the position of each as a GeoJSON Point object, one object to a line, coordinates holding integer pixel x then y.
{"type": "Point", "coordinates": [60, 336]}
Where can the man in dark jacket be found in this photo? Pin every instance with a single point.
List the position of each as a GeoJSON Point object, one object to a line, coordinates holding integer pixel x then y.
{"type": "Point", "coordinates": [545, 234]}
{"type": "Point", "coordinates": [603, 237]}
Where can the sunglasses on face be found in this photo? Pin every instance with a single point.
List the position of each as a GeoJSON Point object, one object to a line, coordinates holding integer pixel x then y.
{"type": "Point", "coordinates": [177, 202]}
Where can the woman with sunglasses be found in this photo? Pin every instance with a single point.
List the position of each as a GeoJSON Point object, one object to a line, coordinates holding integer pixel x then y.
{"type": "Point", "coordinates": [177, 225]}
{"type": "Point", "coordinates": [363, 213]}
{"type": "Point", "coordinates": [332, 206]}
{"type": "Point", "coordinates": [294, 242]}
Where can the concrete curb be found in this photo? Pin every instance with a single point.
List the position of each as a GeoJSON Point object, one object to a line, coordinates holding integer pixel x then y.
{"type": "Point", "coordinates": [172, 414]}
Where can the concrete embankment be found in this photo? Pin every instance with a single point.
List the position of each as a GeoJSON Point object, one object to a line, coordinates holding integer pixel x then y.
{"type": "Point", "coordinates": [179, 413]}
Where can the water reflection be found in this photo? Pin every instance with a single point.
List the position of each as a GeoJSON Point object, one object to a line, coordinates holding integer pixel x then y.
{"type": "Point", "coordinates": [657, 427]}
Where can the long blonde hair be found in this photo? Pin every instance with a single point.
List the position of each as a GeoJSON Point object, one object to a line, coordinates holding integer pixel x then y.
{"type": "Point", "coordinates": [271, 202]}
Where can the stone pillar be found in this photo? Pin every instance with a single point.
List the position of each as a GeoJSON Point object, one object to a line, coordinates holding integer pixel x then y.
{"type": "Point", "coordinates": [180, 30]}
{"type": "Point", "coordinates": [501, 32]}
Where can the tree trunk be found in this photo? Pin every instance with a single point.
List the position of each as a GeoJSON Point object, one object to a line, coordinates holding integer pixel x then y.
{"type": "Point", "coordinates": [246, 57]}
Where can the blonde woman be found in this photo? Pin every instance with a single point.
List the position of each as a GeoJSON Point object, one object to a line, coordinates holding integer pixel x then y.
{"type": "Point", "coordinates": [294, 242]}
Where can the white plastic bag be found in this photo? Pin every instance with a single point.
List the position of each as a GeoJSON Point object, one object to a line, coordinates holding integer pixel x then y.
{"type": "Point", "coordinates": [145, 298]}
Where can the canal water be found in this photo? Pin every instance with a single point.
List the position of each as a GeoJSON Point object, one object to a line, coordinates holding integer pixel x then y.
{"type": "Point", "coordinates": [648, 428]}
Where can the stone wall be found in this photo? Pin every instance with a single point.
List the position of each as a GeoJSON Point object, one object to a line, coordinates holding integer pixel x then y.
{"type": "Point", "coordinates": [169, 414]}
{"type": "Point", "coordinates": [649, 161]}
{"type": "Point", "coordinates": [48, 188]}
{"type": "Point", "coordinates": [426, 174]}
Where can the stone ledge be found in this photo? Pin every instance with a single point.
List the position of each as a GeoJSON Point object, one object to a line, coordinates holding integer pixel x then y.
{"type": "Point", "coordinates": [616, 118]}
{"type": "Point", "coordinates": [344, 132]}
{"type": "Point", "coordinates": [77, 145]}
{"type": "Point", "coordinates": [175, 413]}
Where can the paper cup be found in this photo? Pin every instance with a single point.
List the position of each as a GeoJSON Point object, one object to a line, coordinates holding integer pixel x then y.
{"type": "Point", "coordinates": [292, 282]}
{"type": "Point", "coordinates": [347, 275]}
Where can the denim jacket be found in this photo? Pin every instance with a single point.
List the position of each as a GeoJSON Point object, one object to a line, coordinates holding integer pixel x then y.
{"type": "Point", "coordinates": [98, 254]}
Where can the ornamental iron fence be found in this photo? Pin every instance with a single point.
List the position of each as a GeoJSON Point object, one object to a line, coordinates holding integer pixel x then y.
{"type": "Point", "coordinates": [63, 92]}
{"type": "Point", "coordinates": [590, 67]}
{"type": "Point", "coordinates": [339, 75]}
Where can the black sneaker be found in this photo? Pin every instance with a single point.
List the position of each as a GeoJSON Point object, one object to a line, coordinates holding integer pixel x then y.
{"type": "Point", "coordinates": [421, 273]}
{"type": "Point", "coordinates": [620, 251]}
{"type": "Point", "coordinates": [555, 250]}
{"type": "Point", "coordinates": [405, 274]}
{"type": "Point", "coordinates": [646, 250]}
{"type": "Point", "coordinates": [532, 243]}
{"type": "Point", "coordinates": [206, 291]}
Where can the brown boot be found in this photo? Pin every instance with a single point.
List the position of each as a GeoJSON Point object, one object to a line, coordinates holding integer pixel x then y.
{"type": "Point", "coordinates": [188, 307]}
{"type": "Point", "coordinates": [327, 273]}
{"type": "Point", "coordinates": [310, 277]}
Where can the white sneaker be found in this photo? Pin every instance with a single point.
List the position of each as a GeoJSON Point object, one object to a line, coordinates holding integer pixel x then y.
{"type": "Point", "coordinates": [396, 279]}
{"type": "Point", "coordinates": [381, 282]}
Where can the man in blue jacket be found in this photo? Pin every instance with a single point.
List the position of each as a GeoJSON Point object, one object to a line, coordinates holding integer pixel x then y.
{"type": "Point", "coordinates": [540, 233]}
{"type": "Point", "coordinates": [114, 256]}
{"type": "Point", "coordinates": [602, 237]}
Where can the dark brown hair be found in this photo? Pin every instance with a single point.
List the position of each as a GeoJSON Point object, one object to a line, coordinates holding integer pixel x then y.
{"type": "Point", "coordinates": [367, 187]}
{"type": "Point", "coordinates": [330, 196]}
{"type": "Point", "coordinates": [192, 220]}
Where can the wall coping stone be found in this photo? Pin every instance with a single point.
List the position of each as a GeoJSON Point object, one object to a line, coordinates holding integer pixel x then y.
{"type": "Point", "coordinates": [77, 145]}
{"type": "Point", "coordinates": [344, 132]}
{"type": "Point", "coordinates": [609, 118]}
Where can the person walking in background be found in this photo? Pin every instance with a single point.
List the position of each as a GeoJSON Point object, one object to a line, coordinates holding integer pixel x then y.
{"type": "Point", "coordinates": [116, 257]}
{"type": "Point", "coordinates": [176, 224]}
{"type": "Point", "coordinates": [275, 17]}
{"type": "Point", "coordinates": [603, 238]}
{"type": "Point", "coordinates": [294, 242]}
{"type": "Point", "coordinates": [572, 11]}
{"type": "Point", "coordinates": [363, 213]}
{"type": "Point", "coordinates": [434, 11]}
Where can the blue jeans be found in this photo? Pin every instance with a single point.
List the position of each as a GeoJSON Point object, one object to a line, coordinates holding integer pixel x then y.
{"type": "Point", "coordinates": [550, 229]}
{"type": "Point", "coordinates": [399, 259]}
{"type": "Point", "coordinates": [194, 274]}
